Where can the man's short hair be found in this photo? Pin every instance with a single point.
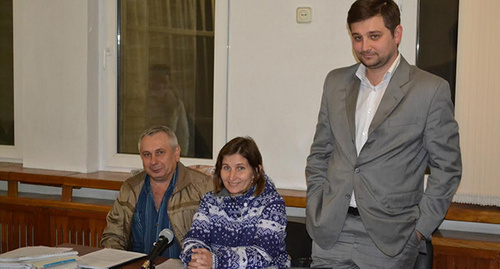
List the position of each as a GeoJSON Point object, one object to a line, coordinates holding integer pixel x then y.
{"type": "Point", "coordinates": [160, 129]}
{"type": "Point", "coordinates": [364, 9]}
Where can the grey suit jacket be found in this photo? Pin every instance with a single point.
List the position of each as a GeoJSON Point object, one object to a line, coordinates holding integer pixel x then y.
{"type": "Point", "coordinates": [413, 128]}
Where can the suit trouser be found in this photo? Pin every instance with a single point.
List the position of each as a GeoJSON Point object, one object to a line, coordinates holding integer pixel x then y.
{"type": "Point", "coordinates": [355, 249]}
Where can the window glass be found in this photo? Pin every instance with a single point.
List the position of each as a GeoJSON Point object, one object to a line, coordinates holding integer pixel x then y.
{"type": "Point", "coordinates": [165, 72]}
{"type": "Point", "coordinates": [6, 75]}
{"type": "Point", "coordinates": [437, 39]}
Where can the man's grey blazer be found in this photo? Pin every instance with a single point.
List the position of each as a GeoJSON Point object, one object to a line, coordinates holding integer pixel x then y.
{"type": "Point", "coordinates": [413, 128]}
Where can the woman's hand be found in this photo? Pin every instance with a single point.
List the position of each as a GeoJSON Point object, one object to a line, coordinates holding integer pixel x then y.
{"type": "Point", "coordinates": [201, 259]}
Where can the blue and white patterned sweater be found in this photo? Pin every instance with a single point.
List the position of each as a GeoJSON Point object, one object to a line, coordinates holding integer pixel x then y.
{"type": "Point", "coordinates": [240, 232]}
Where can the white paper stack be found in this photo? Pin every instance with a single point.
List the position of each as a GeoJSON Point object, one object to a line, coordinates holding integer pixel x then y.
{"type": "Point", "coordinates": [40, 257]}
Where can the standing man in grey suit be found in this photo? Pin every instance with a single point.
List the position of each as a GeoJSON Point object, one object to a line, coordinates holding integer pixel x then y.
{"type": "Point", "coordinates": [382, 122]}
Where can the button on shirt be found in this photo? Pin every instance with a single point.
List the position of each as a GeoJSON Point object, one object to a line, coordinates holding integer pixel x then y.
{"type": "Point", "coordinates": [369, 98]}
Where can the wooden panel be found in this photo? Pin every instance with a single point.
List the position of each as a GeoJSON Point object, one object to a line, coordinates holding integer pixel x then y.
{"type": "Point", "coordinates": [12, 188]}
{"type": "Point", "coordinates": [6, 168]}
{"type": "Point", "coordinates": [21, 226]}
{"type": "Point", "coordinates": [293, 198]}
{"type": "Point", "coordinates": [35, 219]}
{"type": "Point", "coordinates": [457, 262]}
{"type": "Point", "coordinates": [67, 193]}
{"type": "Point", "coordinates": [104, 206]}
{"type": "Point", "coordinates": [455, 250]}
{"type": "Point", "coordinates": [35, 223]}
{"type": "Point", "coordinates": [14, 172]}
{"type": "Point", "coordinates": [76, 227]}
{"type": "Point", "coordinates": [41, 176]}
{"type": "Point", "coordinates": [478, 244]}
{"type": "Point", "coordinates": [474, 213]}
{"type": "Point", "coordinates": [100, 180]}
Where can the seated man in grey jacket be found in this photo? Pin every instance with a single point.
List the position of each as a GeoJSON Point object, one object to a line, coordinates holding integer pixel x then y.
{"type": "Point", "coordinates": [165, 195]}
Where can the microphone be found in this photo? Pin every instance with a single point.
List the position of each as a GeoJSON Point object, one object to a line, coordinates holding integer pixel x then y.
{"type": "Point", "coordinates": [164, 239]}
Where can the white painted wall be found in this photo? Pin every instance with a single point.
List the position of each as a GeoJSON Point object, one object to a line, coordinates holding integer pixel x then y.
{"type": "Point", "coordinates": [276, 72]}
{"type": "Point", "coordinates": [54, 76]}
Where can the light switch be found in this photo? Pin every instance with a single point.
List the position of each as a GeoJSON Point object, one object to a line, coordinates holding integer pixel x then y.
{"type": "Point", "coordinates": [304, 14]}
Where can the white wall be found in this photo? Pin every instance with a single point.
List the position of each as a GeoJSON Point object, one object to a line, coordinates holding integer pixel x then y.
{"type": "Point", "coordinates": [272, 76]}
{"type": "Point", "coordinates": [57, 87]}
{"type": "Point", "coordinates": [276, 72]}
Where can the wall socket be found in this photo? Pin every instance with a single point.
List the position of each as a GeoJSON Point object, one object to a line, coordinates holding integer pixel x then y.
{"type": "Point", "coordinates": [304, 15]}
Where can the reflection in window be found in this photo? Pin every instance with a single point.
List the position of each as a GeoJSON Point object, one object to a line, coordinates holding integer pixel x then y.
{"type": "Point", "coordinates": [6, 74]}
{"type": "Point", "coordinates": [165, 65]}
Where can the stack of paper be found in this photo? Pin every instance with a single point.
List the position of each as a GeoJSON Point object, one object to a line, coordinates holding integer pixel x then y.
{"type": "Point", "coordinates": [40, 257]}
{"type": "Point", "coordinates": [15, 265]}
{"type": "Point", "coordinates": [67, 262]}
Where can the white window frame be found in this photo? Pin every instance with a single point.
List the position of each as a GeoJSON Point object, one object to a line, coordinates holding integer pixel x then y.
{"type": "Point", "coordinates": [110, 159]}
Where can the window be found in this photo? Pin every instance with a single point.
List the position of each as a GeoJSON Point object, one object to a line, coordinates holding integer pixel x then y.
{"type": "Point", "coordinates": [165, 72]}
{"type": "Point", "coordinates": [6, 75]}
{"type": "Point", "coordinates": [437, 39]}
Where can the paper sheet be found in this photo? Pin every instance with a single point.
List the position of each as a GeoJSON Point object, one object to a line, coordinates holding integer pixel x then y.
{"type": "Point", "coordinates": [170, 264]}
{"type": "Point", "coordinates": [15, 266]}
{"type": "Point", "coordinates": [107, 257]}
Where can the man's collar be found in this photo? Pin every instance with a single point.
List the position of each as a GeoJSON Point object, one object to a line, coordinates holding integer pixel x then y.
{"type": "Point", "coordinates": [361, 71]}
{"type": "Point", "coordinates": [182, 180]}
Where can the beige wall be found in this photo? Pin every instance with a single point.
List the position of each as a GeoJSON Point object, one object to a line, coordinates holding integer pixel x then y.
{"type": "Point", "coordinates": [477, 101]}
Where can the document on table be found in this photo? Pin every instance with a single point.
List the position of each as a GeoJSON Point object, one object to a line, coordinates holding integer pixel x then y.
{"type": "Point", "coordinates": [16, 265]}
{"type": "Point", "coordinates": [107, 257]}
{"type": "Point", "coordinates": [29, 254]}
{"type": "Point", "coordinates": [58, 263]}
{"type": "Point", "coordinates": [170, 264]}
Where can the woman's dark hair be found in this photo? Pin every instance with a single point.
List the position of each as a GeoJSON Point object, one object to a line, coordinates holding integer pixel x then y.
{"type": "Point", "coordinates": [364, 9]}
{"type": "Point", "coordinates": [246, 147]}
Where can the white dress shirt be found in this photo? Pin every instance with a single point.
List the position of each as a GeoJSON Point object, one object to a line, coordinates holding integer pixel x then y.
{"type": "Point", "coordinates": [369, 98]}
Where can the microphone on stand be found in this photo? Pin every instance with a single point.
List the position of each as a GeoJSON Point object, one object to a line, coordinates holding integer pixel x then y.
{"type": "Point", "coordinates": [164, 239]}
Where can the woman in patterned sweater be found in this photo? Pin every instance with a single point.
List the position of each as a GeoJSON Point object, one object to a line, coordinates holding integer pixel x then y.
{"type": "Point", "coordinates": [241, 224]}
